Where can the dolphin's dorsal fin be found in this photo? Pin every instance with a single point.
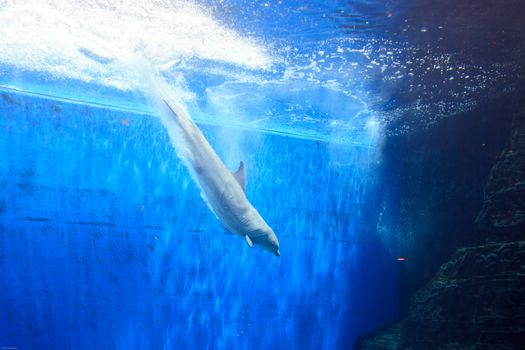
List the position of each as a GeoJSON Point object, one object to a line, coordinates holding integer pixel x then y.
{"type": "Point", "coordinates": [248, 240]}
{"type": "Point", "coordinates": [240, 176]}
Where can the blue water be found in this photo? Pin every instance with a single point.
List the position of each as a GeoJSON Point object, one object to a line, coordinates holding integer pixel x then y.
{"type": "Point", "coordinates": [105, 242]}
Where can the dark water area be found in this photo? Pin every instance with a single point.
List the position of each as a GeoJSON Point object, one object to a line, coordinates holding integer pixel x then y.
{"type": "Point", "coordinates": [434, 191]}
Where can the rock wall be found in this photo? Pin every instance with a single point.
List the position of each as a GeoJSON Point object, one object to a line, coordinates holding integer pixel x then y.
{"type": "Point", "coordinates": [474, 302]}
{"type": "Point", "coordinates": [503, 214]}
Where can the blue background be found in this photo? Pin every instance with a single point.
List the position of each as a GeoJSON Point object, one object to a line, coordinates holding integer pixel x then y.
{"type": "Point", "coordinates": [105, 242]}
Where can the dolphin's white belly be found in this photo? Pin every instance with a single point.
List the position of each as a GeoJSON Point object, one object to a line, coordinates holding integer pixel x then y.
{"type": "Point", "coordinates": [227, 200]}
{"type": "Point", "coordinates": [222, 191]}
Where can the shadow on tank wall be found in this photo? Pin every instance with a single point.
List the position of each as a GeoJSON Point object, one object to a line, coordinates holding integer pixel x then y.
{"type": "Point", "coordinates": [454, 197]}
{"type": "Point", "coordinates": [439, 175]}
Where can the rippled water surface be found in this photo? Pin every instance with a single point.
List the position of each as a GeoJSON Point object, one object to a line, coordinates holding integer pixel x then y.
{"type": "Point", "coordinates": [314, 70]}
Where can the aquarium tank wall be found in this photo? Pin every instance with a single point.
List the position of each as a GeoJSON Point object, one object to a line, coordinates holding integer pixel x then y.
{"type": "Point", "coordinates": [383, 143]}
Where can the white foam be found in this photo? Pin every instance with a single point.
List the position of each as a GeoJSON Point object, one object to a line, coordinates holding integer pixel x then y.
{"type": "Point", "coordinates": [82, 39]}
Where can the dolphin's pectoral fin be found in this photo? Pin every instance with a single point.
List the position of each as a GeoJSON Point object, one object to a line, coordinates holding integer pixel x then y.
{"type": "Point", "coordinates": [248, 240]}
{"type": "Point", "coordinates": [240, 176]}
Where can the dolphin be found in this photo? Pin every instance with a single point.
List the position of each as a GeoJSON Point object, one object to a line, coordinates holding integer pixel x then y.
{"type": "Point", "coordinates": [223, 191]}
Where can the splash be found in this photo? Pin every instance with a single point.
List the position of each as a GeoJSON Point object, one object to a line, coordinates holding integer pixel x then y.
{"type": "Point", "coordinates": [83, 40]}
{"type": "Point", "coordinates": [305, 71]}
